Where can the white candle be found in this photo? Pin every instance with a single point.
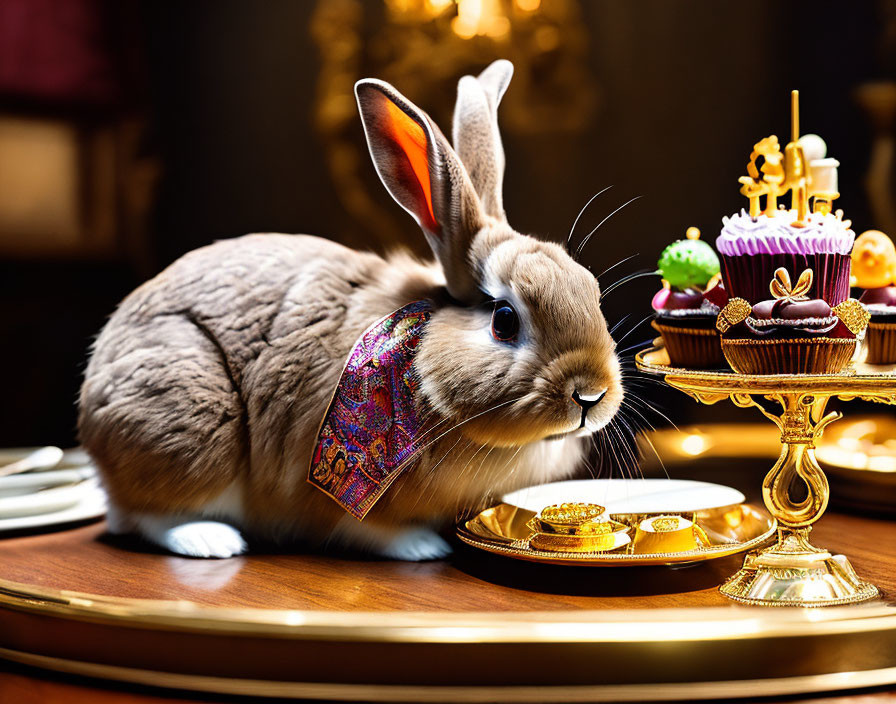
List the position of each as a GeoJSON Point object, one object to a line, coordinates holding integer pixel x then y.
{"type": "Point", "coordinates": [823, 177]}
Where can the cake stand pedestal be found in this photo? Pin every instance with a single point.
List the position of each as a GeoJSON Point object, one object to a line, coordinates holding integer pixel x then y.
{"type": "Point", "coordinates": [792, 571]}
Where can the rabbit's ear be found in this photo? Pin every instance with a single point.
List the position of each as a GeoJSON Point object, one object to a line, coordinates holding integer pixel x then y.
{"type": "Point", "coordinates": [476, 136]}
{"type": "Point", "coordinates": [423, 174]}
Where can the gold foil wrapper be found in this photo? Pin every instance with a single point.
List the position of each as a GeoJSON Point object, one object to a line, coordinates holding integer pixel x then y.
{"type": "Point", "coordinates": [880, 343]}
{"type": "Point", "coordinates": [817, 355]}
{"type": "Point", "coordinates": [696, 348]}
{"type": "Point", "coordinates": [576, 527]}
{"type": "Point", "coordinates": [667, 534]}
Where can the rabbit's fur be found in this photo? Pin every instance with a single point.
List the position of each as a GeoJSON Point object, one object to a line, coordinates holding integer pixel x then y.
{"type": "Point", "coordinates": [203, 397]}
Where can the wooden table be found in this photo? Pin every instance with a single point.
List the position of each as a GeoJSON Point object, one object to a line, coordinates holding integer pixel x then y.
{"type": "Point", "coordinates": [469, 582]}
{"type": "Point", "coordinates": [466, 590]}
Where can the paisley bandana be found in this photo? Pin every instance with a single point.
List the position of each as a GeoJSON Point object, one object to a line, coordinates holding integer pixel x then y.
{"type": "Point", "coordinates": [369, 431]}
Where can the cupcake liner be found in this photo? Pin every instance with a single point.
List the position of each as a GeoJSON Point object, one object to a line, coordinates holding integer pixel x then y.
{"type": "Point", "coordinates": [880, 343]}
{"type": "Point", "coordinates": [695, 348]}
{"type": "Point", "coordinates": [811, 355]}
{"type": "Point", "coordinates": [748, 276]}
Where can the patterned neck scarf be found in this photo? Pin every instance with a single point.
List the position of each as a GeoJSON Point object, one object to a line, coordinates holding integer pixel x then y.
{"type": "Point", "coordinates": [368, 436]}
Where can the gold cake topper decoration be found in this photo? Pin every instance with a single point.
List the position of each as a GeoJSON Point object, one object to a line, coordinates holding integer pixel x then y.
{"type": "Point", "coordinates": [765, 180]}
{"type": "Point", "coordinates": [736, 311]}
{"type": "Point", "coordinates": [779, 172]}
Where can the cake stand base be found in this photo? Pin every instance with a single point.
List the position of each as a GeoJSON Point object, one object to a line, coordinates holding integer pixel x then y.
{"type": "Point", "coordinates": [792, 572]}
{"type": "Point", "coordinates": [795, 573]}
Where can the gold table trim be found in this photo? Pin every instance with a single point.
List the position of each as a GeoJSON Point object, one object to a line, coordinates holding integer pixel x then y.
{"type": "Point", "coordinates": [665, 691]}
{"type": "Point", "coordinates": [662, 654]}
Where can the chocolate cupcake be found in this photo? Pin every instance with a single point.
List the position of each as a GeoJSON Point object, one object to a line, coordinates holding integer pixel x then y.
{"type": "Point", "coordinates": [684, 316]}
{"type": "Point", "coordinates": [790, 333]}
{"type": "Point", "coordinates": [874, 269]}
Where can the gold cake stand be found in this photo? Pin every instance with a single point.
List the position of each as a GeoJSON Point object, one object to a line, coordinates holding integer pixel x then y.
{"type": "Point", "coordinates": [792, 571]}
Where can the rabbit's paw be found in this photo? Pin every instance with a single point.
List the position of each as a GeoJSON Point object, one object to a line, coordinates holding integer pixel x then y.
{"type": "Point", "coordinates": [202, 539]}
{"type": "Point", "coordinates": [416, 544]}
{"type": "Point", "coordinates": [205, 539]}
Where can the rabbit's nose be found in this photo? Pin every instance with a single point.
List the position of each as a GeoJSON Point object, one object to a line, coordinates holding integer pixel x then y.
{"type": "Point", "coordinates": [587, 401]}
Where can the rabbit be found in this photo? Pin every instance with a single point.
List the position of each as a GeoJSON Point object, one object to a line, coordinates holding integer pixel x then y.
{"type": "Point", "coordinates": [205, 390]}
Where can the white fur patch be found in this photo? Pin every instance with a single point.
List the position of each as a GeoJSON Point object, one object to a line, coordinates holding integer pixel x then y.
{"type": "Point", "coordinates": [416, 544]}
{"type": "Point", "coordinates": [191, 538]}
{"type": "Point", "coordinates": [187, 534]}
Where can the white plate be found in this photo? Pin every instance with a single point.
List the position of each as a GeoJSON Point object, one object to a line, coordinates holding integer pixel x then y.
{"type": "Point", "coordinates": [74, 457]}
{"type": "Point", "coordinates": [92, 504]}
{"type": "Point", "coordinates": [30, 482]}
{"type": "Point", "coordinates": [47, 501]}
{"type": "Point", "coordinates": [629, 495]}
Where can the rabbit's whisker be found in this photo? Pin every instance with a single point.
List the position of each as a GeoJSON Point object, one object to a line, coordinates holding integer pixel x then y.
{"type": "Point", "coordinates": [656, 410]}
{"type": "Point", "coordinates": [630, 277]}
{"type": "Point", "coordinates": [626, 445]}
{"type": "Point", "coordinates": [578, 217]}
{"type": "Point", "coordinates": [636, 346]}
{"type": "Point", "coordinates": [640, 323]}
{"type": "Point", "coordinates": [659, 459]}
{"type": "Point", "coordinates": [608, 433]}
{"type": "Point", "coordinates": [620, 322]}
{"type": "Point", "coordinates": [610, 268]}
{"type": "Point", "coordinates": [582, 244]}
{"type": "Point", "coordinates": [640, 415]}
{"type": "Point", "coordinates": [416, 452]}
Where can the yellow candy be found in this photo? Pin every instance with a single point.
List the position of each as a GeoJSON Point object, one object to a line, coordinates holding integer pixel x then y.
{"type": "Point", "coordinates": [873, 260]}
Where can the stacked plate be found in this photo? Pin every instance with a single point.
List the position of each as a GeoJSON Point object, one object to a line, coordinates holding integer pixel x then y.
{"type": "Point", "coordinates": [41, 487]}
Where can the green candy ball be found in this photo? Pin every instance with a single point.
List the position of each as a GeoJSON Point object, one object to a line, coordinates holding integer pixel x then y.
{"type": "Point", "coordinates": [688, 264]}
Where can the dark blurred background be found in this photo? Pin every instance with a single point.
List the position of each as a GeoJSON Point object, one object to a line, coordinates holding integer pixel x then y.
{"type": "Point", "coordinates": [133, 132]}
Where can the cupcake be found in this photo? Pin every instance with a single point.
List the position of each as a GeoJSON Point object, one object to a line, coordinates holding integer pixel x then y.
{"type": "Point", "coordinates": [754, 244]}
{"type": "Point", "coordinates": [684, 316]}
{"type": "Point", "coordinates": [752, 249]}
{"type": "Point", "coordinates": [791, 333]}
{"type": "Point", "coordinates": [874, 270]}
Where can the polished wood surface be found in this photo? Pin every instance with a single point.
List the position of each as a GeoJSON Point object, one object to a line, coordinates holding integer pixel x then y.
{"type": "Point", "coordinates": [86, 559]}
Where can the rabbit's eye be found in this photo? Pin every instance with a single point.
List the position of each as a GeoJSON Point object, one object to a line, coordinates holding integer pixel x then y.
{"type": "Point", "coordinates": [505, 322]}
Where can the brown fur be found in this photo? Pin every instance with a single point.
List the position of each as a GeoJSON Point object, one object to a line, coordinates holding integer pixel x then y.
{"type": "Point", "coordinates": [217, 372]}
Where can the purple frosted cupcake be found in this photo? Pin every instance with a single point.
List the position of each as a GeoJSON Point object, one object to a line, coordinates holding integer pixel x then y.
{"type": "Point", "coordinates": [753, 248]}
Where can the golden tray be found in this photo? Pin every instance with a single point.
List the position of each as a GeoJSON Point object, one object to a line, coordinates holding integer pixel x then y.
{"type": "Point", "coordinates": [504, 530]}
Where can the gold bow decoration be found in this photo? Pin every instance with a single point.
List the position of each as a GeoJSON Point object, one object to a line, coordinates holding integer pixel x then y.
{"type": "Point", "coordinates": [781, 286]}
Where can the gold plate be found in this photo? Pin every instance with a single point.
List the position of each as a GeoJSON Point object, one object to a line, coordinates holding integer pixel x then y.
{"type": "Point", "coordinates": [503, 530]}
